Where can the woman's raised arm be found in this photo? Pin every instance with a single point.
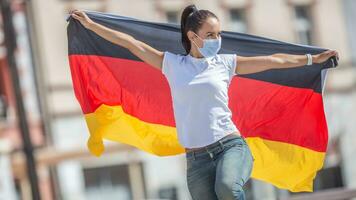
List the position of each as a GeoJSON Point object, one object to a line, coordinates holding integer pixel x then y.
{"type": "Point", "coordinates": [145, 52]}
{"type": "Point", "coordinates": [246, 65]}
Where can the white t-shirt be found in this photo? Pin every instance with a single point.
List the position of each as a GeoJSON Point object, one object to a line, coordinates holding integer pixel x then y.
{"type": "Point", "coordinates": [199, 88]}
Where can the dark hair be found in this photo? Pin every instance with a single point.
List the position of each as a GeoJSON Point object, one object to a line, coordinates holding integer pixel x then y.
{"type": "Point", "coordinates": [192, 19]}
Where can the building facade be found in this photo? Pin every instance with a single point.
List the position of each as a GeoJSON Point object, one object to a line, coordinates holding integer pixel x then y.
{"type": "Point", "coordinates": [126, 173]}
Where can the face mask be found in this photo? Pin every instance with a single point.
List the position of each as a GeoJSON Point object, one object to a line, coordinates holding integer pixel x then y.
{"type": "Point", "coordinates": [210, 47]}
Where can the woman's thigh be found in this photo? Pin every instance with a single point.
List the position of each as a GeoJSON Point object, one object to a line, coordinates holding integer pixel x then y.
{"type": "Point", "coordinates": [201, 178]}
{"type": "Point", "coordinates": [233, 169]}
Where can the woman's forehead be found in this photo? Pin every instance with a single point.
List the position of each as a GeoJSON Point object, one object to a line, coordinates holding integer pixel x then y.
{"type": "Point", "coordinates": [210, 25]}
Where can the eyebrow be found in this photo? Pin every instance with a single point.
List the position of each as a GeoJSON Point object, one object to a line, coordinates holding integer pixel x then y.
{"type": "Point", "coordinates": [213, 32]}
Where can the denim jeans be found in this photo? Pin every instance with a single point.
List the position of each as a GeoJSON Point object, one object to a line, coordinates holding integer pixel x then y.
{"type": "Point", "coordinates": [219, 171]}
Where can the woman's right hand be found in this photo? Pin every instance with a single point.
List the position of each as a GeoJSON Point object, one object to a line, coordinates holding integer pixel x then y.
{"type": "Point", "coordinates": [82, 18]}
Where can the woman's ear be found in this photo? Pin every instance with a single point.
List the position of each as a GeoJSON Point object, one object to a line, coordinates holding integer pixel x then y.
{"type": "Point", "coordinates": [190, 35]}
{"type": "Point", "coordinates": [193, 38]}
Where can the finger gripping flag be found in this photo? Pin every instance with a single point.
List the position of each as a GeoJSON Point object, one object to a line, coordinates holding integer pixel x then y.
{"type": "Point", "coordinates": [279, 112]}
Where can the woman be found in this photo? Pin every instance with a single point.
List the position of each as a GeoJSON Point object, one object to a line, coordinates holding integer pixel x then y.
{"type": "Point", "coordinates": [219, 161]}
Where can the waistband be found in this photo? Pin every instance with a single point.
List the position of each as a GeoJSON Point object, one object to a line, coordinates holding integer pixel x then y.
{"type": "Point", "coordinates": [217, 143]}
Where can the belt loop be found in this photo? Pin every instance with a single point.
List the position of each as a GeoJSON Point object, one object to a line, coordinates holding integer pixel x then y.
{"type": "Point", "coordinates": [221, 145]}
{"type": "Point", "coordinates": [210, 154]}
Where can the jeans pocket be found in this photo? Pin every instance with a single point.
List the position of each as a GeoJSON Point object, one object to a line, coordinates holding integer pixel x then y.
{"type": "Point", "coordinates": [192, 168]}
{"type": "Point", "coordinates": [235, 142]}
{"type": "Point", "coordinates": [189, 158]}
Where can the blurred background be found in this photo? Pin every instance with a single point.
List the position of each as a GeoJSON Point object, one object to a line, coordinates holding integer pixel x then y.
{"type": "Point", "coordinates": [43, 134]}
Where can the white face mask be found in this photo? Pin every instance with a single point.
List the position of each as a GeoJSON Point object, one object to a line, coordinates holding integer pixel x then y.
{"type": "Point", "coordinates": [210, 47]}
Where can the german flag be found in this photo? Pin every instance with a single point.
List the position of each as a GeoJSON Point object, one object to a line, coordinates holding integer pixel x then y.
{"type": "Point", "coordinates": [279, 112]}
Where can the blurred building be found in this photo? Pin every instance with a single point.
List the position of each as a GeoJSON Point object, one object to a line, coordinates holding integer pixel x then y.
{"type": "Point", "coordinates": [10, 137]}
{"type": "Point", "coordinates": [67, 170]}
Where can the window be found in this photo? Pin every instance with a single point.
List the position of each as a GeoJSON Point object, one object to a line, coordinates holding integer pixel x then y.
{"type": "Point", "coordinates": [238, 20]}
{"type": "Point", "coordinates": [3, 100]}
{"type": "Point", "coordinates": [350, 16]}
{"type": "Point", "coordinates": [331, 174]}
{"type": "Point", "coordinates": [328, 178]}
{"type": "Point", "coordinates": [17, 189]}
{"type": "Point", "coordinates": [3, 107]}
{"type": "Point", "coordinates": [109, 182]}
{"type": "Point", "coordinates": [303, 24]}
{"type": "Point", "coordinates": [168, 193]}
{"type": "Point", "coordinates": [172, 16]}
{"type": "Point", "coordinates": [3, 103]}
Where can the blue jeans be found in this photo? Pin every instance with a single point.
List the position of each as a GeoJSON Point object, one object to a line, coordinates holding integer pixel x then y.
{"type": "Point", "coordinates": [219, 170]}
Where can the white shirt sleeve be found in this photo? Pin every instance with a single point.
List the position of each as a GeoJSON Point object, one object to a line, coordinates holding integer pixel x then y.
{"type": "Point", "coordinates": [167, 63]}
{"type": "Point", "coordinates": [231, 63]}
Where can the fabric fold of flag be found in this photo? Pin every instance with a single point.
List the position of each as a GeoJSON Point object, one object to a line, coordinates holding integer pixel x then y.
{"type": "Point", "coordinates": [279, 112]}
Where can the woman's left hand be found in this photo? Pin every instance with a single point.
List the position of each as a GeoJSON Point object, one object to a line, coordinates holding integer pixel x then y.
{"type": "Point", "coordinates": [322, 57]}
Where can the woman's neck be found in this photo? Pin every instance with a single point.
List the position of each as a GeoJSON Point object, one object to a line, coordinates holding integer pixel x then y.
{"type": "Point", "coordinates": [195, 54]}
